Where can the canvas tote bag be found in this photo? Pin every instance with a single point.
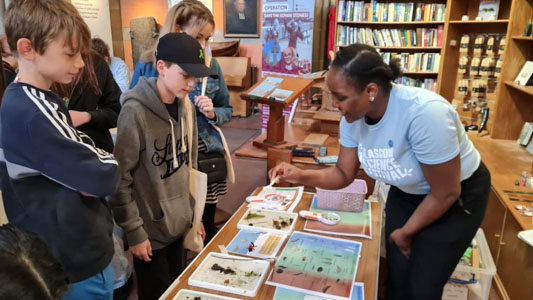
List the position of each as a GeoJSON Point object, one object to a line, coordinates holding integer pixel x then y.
{"type": "Point", "coordinates": [197, 189]}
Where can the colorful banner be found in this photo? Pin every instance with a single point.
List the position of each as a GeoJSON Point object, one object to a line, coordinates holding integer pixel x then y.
{"type": "Point", "coordinates": [287, 33]}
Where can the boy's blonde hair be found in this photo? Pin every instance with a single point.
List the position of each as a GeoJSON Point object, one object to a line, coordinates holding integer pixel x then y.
{"type": "Point", "coordinates": [43, 21]}
{"type": "Point", "coordinates": [187, 13]}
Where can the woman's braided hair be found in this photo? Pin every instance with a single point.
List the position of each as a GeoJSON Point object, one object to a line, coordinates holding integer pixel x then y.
{"type": "Point", "coordinates": [362, 65]}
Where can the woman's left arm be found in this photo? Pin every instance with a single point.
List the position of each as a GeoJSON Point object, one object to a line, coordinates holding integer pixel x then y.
{"type": "Point", "coordinates": [445, 182]}
{"type": "Point", "coordinates": [221, 102]}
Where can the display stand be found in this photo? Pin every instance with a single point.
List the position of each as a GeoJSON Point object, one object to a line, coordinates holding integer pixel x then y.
{"type": "Point", "coordinates": [276, 122]}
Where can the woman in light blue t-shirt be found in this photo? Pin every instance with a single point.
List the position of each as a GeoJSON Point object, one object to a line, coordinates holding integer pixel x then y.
{"type": "Point", "coordinates": [413, 140]}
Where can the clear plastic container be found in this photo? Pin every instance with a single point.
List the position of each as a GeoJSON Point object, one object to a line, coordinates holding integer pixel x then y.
{"type": "Point", "coordinates": [350, 198]}
{"type": "Point", "coordinates": [477, 280]}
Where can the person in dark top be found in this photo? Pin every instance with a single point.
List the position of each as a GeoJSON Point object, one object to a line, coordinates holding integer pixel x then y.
{"type": "Point", "coordinates": [412, 139]}
{"type": "Point", "coordinates": [93, 100]}
{"type": "Point", "coordinates": [9, 62]}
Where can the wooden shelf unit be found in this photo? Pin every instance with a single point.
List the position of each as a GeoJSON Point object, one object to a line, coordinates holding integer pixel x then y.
{"type": "Point", "coordinates": [398, 25]}
{"type": "Point", "coordinates": [512, 104]}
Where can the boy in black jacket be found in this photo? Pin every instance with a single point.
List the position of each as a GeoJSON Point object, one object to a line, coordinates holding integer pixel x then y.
{"type": "Point", "coordinates": [53, 178]}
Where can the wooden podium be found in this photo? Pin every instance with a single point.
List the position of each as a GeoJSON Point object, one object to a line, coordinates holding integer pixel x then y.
{"type": "Point", "coordinates": [276, 121]}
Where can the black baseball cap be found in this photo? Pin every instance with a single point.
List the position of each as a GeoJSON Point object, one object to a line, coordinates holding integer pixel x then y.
{"type": "Point", "coordinates": [186, 52]}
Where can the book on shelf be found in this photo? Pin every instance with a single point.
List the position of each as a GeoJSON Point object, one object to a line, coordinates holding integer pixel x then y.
{"type": "Point", "coordinates": [373, 11]}
{"type": "Point", "coordinates": [488, 9]}
{"type": "Point", "coordinates": [525, 134]}
{"type": "Point", "coordinates": [428, 83]}
{"type": "Point", "coordinates": [525, 77]}
{"type": "Point", "coordinates": [415, 62]}
{"type": "Point", "coordinates": [419, 37]}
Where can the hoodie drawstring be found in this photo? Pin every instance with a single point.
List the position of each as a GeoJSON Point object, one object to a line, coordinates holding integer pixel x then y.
{"type": "Point", "coordinates": [174, 156]}
{"type": "Point", "coordinates": [183, 147]}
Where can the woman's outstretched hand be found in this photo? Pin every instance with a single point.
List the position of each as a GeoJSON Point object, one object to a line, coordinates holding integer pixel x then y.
{"type": "Point", "coordinates": [286, 172]}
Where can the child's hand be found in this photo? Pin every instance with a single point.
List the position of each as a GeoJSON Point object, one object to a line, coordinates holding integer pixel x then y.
{"type": "Point", "coordinates": [79, 117]}
{"type": "Point", "coordinates": [142, 251]}
{"type": "Point", "coordinates": [205, 104]}
{"type": "Point", "coordinates": [201, 231]}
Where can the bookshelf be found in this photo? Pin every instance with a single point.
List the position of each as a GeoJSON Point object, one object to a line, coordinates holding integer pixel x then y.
{"type": "Point", "coordinates": [402, 28]}
{"type": "Point", "coordinates": [510, 105]}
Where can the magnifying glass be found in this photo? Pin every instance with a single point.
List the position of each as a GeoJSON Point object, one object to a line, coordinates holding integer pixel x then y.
{"type": "Point", "coordinates": [326, 218]}
{"type": "Point", "coordinates": [272, 198]}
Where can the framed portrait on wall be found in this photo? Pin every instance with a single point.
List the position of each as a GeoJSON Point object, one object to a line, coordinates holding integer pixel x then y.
{"type": "Point", "coordinates": [241, 18]}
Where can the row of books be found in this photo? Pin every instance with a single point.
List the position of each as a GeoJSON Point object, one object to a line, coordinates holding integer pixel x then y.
{"type": "Point", "coordinates": [415, 62]}
{"type": "Point", "coordinates": [359, 11]}
{"type": "Point", "coordinates": [419, 37]}
{"type": "Point", "coordinates": [428, 83]}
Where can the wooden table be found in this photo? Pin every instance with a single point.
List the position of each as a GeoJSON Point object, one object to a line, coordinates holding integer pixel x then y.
{"type": "Point", "coordinates": [367, 271]}
{"type": "Point", "coordinates": [276, 121]}
{"type": "Point", "coordinates": [513, 258]}
{"type": "Point", "coordinates": [506, 161]}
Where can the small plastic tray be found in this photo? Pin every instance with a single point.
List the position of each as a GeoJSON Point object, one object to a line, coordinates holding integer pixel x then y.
{"type": "Point", "coordinates": [267, 225]}
{"type": "Point", "coordinates": [205, 277]}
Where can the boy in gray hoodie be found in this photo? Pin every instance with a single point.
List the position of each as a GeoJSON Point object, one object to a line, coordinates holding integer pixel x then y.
{"type": "Point", "coordinates": [153, 204]}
